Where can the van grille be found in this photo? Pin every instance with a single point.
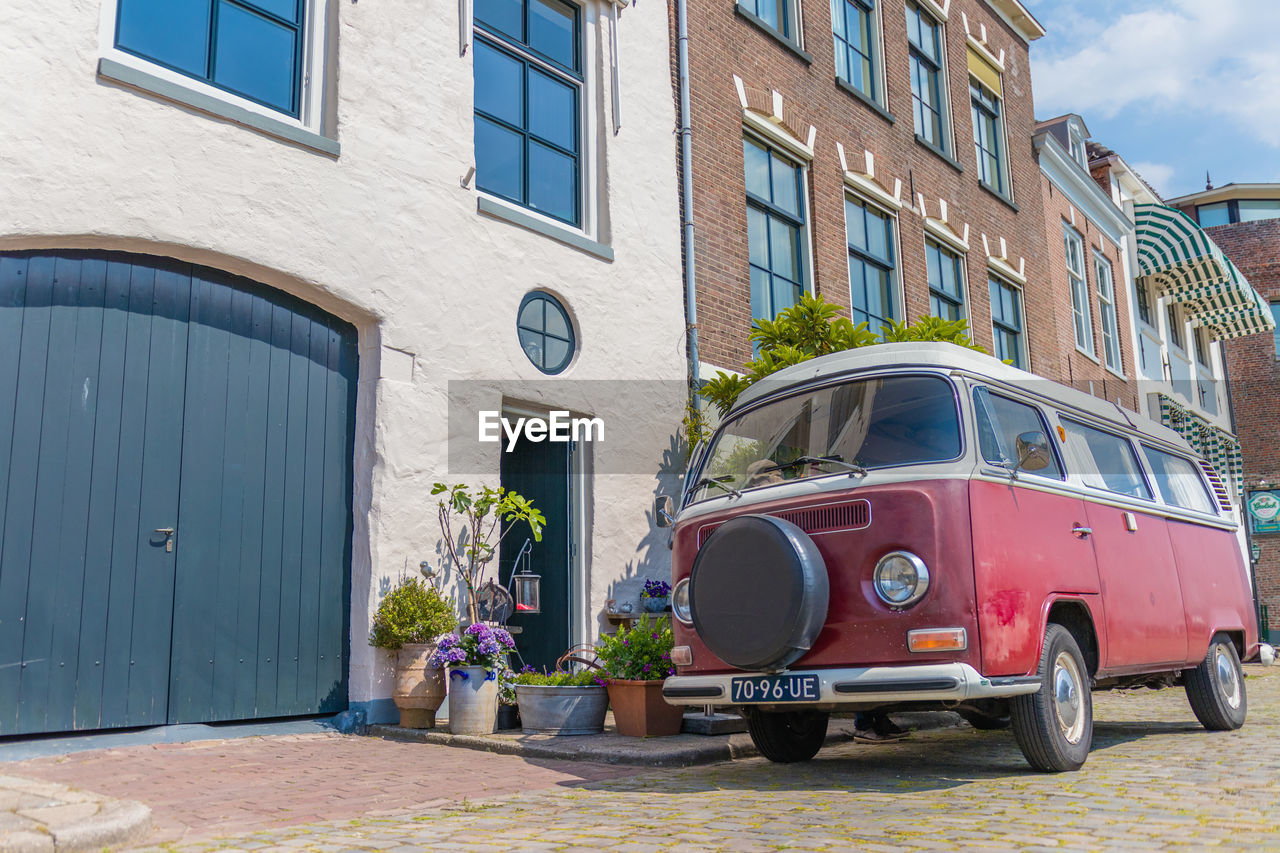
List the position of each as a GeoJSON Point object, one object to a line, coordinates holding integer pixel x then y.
{"type": "Point", "coordinates": [1215, 482]}
{"type": "Point", "coordinates": [829, 518]}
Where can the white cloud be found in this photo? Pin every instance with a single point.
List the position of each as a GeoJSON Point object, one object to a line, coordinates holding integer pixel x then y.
{"type": "Point", "coordinates": [1158, 175]}
{"type": "Point", "coordinates": [1212, 60]}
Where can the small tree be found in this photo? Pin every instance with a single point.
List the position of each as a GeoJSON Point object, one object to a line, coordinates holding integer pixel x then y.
{"type": "Point", "coordinates": [812, 328]}
{"type": "Point", "coordinates": [479, 518]}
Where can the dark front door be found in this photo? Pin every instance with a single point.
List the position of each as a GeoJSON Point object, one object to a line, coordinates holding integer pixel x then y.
{"type": "Point", "coordinates": [540, 472]}
{"type": "Point", "coordinates": [175, 484]}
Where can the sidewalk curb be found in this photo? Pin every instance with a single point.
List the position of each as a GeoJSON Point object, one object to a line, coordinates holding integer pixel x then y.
{"type": "Point", "coordinates": [45, 817]}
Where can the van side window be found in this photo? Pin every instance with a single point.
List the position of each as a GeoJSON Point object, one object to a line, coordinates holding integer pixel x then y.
{"type": "Point", "coordinates": [1177, 481]}
{"type": "Point", "coordinates": [1108, 461]}
{"type": "Point", "coordinates": [1000, 422]}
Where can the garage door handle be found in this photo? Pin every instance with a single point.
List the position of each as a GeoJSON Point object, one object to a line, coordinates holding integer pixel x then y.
{"type": "Point", "coordinates": [1082, 532]}
{"type": "Point", "coordinates": [167, 533]}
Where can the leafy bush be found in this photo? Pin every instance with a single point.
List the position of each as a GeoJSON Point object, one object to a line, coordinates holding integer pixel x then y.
{"type": "Point", "coordinates": [412, 612]}
{"type": "Point", "coordinates": [533, 678]}
{"type": "Point", "coordinates": [642, 653]}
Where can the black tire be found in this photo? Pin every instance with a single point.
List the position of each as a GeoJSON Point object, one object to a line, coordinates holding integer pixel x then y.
{"type": "Point", "coordinates": [1054, 727]}
{"type": "Point", "coordinates": [1215, 688]}
{"type": "Point", "coordinates": [787, 736]}
{"type": "Point", "coordinates": [990, 716]}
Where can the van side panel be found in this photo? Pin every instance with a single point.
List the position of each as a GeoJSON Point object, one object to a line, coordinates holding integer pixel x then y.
{"type": "Point", "coordinates": [1141, 592]}
{"type": "Point", "coordinates": [1215, 587]}
{"type": "Point", "coordinates": [1024, 552]}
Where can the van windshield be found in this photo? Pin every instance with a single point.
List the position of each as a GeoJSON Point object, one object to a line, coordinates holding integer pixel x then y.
{"type": "Point", "coordinates": [872, 423]}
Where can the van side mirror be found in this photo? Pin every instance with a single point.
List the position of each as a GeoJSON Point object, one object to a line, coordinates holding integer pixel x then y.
{"type": "Point", "coordinates": [1033, 452]}
{"type": "Point", "coordinates": [664, 511]}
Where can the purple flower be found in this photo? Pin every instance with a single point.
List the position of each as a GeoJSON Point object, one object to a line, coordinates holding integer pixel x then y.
{"type": "Point", "coordinates": [504, 637]}
{"type": "Point", "coordinates": [626, 641]}
{"type": "Point", "coordinates": [646, 667]}
{"type": "Point", "coordinates": [488, 646]}
{"type": "Point", "coordinates": [476, 629]}
{"type": "Point", "coordinates": [654, 637]}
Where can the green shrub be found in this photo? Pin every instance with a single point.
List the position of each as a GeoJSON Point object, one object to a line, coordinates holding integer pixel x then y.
{"type": "Point", "coordinates": [586, 678]}
{"type": "Point", "coordinates": [640, 654]}
{"type": "Point", "coordinates": [412, 612]}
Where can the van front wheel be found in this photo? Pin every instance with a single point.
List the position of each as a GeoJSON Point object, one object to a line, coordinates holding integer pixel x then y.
{"type": "Point", "coordinates": [1215, 688]}
{"type": "Point", "coordinates": [787, 736]}
{"type": "Point", "coordinates": [1054, 727]}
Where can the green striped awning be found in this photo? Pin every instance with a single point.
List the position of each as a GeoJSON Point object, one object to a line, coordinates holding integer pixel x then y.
{"type": "Point", "coordinates": [1216, 445]}
{"type": "Point", "coordinates": [1180, 261]}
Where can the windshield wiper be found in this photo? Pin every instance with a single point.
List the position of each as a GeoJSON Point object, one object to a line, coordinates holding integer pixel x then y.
{"type": "Point", "coordinates": [818, 460]}
{"type": "Point", "coordinates": [713, 481]}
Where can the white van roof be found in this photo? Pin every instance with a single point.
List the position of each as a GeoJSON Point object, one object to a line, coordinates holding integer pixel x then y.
{"type": "Point", "coordinates": [952, 358]}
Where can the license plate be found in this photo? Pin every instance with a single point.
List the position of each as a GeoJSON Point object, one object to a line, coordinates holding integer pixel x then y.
{"type": "Point", "coordinates": [776, 688]}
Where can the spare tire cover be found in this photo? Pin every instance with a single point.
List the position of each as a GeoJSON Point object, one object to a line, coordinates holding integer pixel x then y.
{"type": "Point", "coordinates": [758, 592]}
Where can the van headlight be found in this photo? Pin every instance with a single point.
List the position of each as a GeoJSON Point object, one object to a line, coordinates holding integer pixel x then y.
{"type": "Point", "coordinates": [901, 579]}
{"type": "Point", "coordinates": [680, 603]}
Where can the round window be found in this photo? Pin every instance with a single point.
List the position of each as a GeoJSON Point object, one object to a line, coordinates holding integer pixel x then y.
{"type": "Point", "coordinates": [545, 332]}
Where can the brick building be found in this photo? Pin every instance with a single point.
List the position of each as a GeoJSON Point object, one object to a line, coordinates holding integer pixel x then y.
{"type": "Point", "coordinates": [839, 156]}
{"type": "Point", "coordinates": [1244, 219]}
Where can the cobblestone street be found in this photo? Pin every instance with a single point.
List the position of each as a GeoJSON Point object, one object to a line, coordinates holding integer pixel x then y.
{"type": "Point", "coordinates": [1155, 780]}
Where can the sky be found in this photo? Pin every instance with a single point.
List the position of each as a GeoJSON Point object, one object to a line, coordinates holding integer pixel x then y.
{"type": "Point", "coordinates": [1175, 87]}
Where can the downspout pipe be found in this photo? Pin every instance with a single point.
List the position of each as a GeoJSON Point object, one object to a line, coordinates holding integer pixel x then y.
{"type": "Point", "coordinates": [686, 193]}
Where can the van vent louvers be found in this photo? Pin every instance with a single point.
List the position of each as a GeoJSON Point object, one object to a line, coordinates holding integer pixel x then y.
{"type": "Point", "coordinates": [1215, 482]}
{"type": "Point", "coordinates": [829, 518]}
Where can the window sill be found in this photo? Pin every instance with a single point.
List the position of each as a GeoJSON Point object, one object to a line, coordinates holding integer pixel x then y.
{"type": "Point", "coordinates": [768, 30]}
{"type": "Point", "coordinates": [135, 78]}
{"type": "Point", "coordinates": [1004, 198]}
{"type": "Point", "coordinates": [939, 153]}
{"type": "Point", "coordinates": [561, 233]}
{"type": "Point", "coordinates": [1116, 373]}
{"type": "Point", "coordinates": [862, 96]}
{"type": "Point", "coordinates": [1089, 355]}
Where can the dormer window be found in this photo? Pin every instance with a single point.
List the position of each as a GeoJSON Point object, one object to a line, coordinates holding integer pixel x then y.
{"type": "Point", "coordinates": [1078, 152]}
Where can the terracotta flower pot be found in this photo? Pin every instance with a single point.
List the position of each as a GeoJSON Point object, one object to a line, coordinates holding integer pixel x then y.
{"type": "Point", "coordinates": [419, 690]}
{"type": "Point", "coordinates": [640, 711]}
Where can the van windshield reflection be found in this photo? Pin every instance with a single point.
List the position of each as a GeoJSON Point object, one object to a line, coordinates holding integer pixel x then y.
{"type": "Point", "coordinates": [838, 430]}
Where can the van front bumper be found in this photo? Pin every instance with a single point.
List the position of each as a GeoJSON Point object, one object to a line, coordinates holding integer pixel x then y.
{"type": "Point", "coordinates": [865, 686]}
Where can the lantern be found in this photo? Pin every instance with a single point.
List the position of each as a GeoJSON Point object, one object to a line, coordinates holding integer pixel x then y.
{"type": "Point", "coordinates": [528, 593]}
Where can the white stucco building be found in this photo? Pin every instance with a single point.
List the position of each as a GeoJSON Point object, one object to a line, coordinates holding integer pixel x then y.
{"type": "Point", "coordinates": [351, 199]}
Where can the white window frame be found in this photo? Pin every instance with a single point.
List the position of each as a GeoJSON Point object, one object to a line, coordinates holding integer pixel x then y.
{"type": "Point", "coordinates": [797, 14]}
{"type": "Point", "coordinates": [946, 145]}
{"type": "Point", "coordinates": [589, 199]}
{"type": "Point", "coordinates": [962, 257]}
{"type": "Point", "coordinates": [1023, 338]}
{"type": "Point", "coordinates": [878, 66]}
{"type": "Point", "coordinates": [1081, 309]}
{"type": "Point", "coordinates": [311, 91]}
{"type": "Point", "coordinates": [785, 145]}
{"type": "Point", "coordinates": [1102, 274]}
{"type": "Point", "coordinates": [900, 296]}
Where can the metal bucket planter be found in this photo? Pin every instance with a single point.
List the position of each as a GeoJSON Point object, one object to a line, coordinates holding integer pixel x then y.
{"type": "Point", "coordinates": [473, 700]}
{"type": "Point", "coordinates": [419, 689]}
{"type": "Point", "coordinates": [562, 710]}
{"type": "Point", "coordinates": [655, 605]}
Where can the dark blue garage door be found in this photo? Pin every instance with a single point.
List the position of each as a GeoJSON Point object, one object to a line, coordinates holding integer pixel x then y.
{"type": "Point", "coordinates": [140, 396]}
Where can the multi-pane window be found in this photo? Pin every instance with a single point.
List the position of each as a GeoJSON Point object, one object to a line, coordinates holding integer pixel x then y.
{"type": "Point", "coordinates": [1107, 312]}
{"type": "Point", "coordinates": [1275, 316]}
{"type": "Point", "coordinates": [853, 23]}
{"type": "Point", "coordinates": [1202, 345]}
{"type": "Point", "coordinates": [925, 66]}
{"type": "Point", "coordinates": [988, 138]}
{"type": "Point", "coordinates": [1144, 302]}
{"type": "Point", "coordinates": [1006, 321]}
{"type": "Point", "coordinates": [1080, 314]}
{"type": "Point", "coordinates": [252, 48]}
{"type": "Point", "coordinates": [775, 228]}
{"type": "Point", "coordinates": [872, 284]}
{"type": "Point", "coordinates": [528, 88]}
{"type": "Point", "coordinates": [945, 270]}
{"type": "Point", "coordinates": [1175, 325]}
{"type": "Point", "coordinates": [1105, 461]}
{"type": "Point", "coordinates": [1078, 148]}
{"type": "Point", "coordinates": [779, 15]}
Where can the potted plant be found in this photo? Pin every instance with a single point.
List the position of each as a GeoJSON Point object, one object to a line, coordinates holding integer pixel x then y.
{"type": "Point", "coordinates": [508, 709]}
{"type": "Point", "coordinates": [473, 658]}
{"type": "Point", "coordinates": [479, 519]}
{"type": "Point", "coordinates": [656, 596]}
{"type": "Point", "coordinates": [409, 619]}
{"type": "Point", "coordinates": [637, 660]}
{"type": "Point", "coordinates": [561, 703]}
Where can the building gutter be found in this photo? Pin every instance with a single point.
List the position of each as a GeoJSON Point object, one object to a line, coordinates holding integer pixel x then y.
{"type": "Point", "coordinates": [686, 192]}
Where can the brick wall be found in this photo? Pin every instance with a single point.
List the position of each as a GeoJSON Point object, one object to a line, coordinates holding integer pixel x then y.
{"type": "Point", "coordinates": [1254, 374]}
{"type": "Point", "coordinates": [723, 43]}
{"type": "Point", "coordinates": [1076, 367]}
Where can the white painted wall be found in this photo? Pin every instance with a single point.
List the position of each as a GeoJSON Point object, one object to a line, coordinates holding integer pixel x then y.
{"type": "Point", "coordinates": [384, 236]}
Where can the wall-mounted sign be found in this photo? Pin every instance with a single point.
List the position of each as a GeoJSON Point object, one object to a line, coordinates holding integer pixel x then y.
{"type": "Point", "coordinates": [1264, 512]}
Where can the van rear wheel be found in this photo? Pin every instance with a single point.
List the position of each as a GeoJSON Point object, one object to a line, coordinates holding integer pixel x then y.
{"type": "Point", "coordinates": [1215, 688]}
{"type": "Point", "coordinates": [787, 736]}
{"type": "Point", "coordinates": [1054, 727]}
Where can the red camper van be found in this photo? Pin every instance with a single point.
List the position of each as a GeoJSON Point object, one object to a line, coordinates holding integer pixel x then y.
{"type": "Point", "coordinates": [913, 526]}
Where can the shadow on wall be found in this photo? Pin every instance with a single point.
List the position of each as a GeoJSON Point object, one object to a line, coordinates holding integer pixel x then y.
{"type": "Point", "coordinates": [653, 560]}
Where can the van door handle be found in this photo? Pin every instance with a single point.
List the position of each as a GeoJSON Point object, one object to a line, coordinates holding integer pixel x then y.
{"type": "Point", "coordinates": [1082, 532]}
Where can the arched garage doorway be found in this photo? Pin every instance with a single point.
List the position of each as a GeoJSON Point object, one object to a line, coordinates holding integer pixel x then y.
{"type": "Point", "coordinates": [175, 495]}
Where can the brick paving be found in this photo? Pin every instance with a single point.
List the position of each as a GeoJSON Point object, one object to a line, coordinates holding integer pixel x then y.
{"type": "Point", "coordinates": [1155, 780]}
